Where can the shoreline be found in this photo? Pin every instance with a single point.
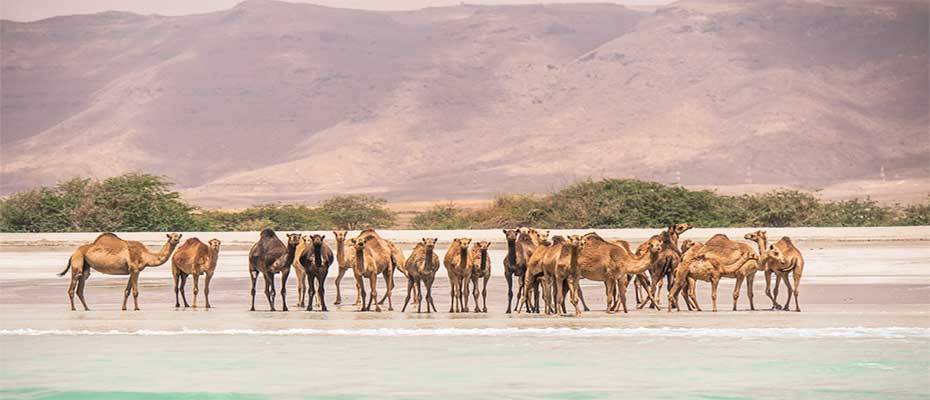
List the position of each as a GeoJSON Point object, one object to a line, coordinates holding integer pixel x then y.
{"type": "Point", "coordinates": [409, 237]}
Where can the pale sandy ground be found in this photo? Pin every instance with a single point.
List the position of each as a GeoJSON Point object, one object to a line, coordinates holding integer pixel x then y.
{"type": "Point", "coordinates": [854, 277]}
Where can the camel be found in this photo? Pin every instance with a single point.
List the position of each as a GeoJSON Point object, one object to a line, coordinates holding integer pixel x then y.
{"type": "Point", "coordinates": [627, 263]}
{"type": "Point", "coordinates": [194, 258]}
{"type": "Point", "coordinates": [268, 257]}
{"type": "Point", "coordinates": [520, 245]}
{"type": "Point", "coordinates": [719, 257]}
{"type": "Point", "coordinates": [110, 255]}
{"type": "Point", "coordinates": [421, 267]}
{"type": "Point", "coordinates": [314, 261]}
{"type": "Point", "coordinates": [343, 267]}
{"type": "Point", "coordinates": [604, 261]}
{"type": "Point", "coordinates": [785, 259]}
{"type": "Point", "coordinates": [456, 261]}
{"type": "Point", "coordinates": [666, 262]}
{"type": "Point", "coordinates": [479, 268]}
{"type": "Point", "coordinates": [369, 258]}
{"type": "Point", "coordinates": [561, 270]}
{"type": "Point", "coordinates": [535, 278]}
{"type": "Point", "coordinates": [386, 250]}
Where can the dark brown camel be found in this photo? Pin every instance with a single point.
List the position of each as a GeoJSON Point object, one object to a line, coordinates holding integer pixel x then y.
{"type": "Point", "coordinates": [269, 256]}
{"type": "Point", "coordinates": [315, 261]}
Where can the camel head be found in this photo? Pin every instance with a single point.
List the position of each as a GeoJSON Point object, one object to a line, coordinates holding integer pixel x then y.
{"type": "Point", "coordinates": [174, 238]}
{"type": "Point", "coordinates": [653, 245]}
{"type": "Point", "coordinates": [524, 230]}
{"type": "Point", "coordinates": [340, 235]}
{"type": "Point", "coordinates": [511, 234]}
{"type": "Point", "coordinates": [429, 243]}
{"type": "Point", "coordinates": [317, 240]}
{"type": "Point", "coordinates": [776, 254]}
{"type": "Point", "coordinates": [755, 236]}
{"type": "Point", "coordinates": [464, 242]}
{"type": "Point", "coordinates": [576, 241]}
{"type": "Point", "coordinates": [214, 244]}
{"type": "Point", "coordinates": [359, 243]}
{"type": "Point", "coordinates": [543, 234]}
{"type": "Point", "coordinates": [293, 239]}
{"type": "Point", "coordinates": [686, 245]}
{"type": "Point", "coordinates": [483, 246]}
{"type": "Point", "coordinates": [680, 228]}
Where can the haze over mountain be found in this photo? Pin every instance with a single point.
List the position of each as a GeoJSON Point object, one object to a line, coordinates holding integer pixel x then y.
{"type": "Point", "coordinates": [278, 101]}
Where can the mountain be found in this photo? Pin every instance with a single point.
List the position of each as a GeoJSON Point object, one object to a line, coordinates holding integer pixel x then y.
{"type": "Point", "coordinates": [279, 101]}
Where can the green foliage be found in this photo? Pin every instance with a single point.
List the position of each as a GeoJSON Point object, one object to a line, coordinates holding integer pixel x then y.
{"type": "Point", "coordinates": [917, 214]}
{"type": "Point", "coordinates": [130, 202]}
{"type": "Point", "coordinates": [356, 212]}
{"type": "Point", "coordinates": [441, 216]}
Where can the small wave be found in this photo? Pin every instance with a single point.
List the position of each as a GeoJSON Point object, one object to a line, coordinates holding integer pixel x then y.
{"type": "Point", "coordinates": [740, 333]}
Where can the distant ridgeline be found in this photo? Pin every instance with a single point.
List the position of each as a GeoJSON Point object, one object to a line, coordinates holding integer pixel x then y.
{"type": "Point", "coordinates": [143, 202]}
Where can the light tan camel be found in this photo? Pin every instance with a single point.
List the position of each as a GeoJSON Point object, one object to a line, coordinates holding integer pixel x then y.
{"type": "Point", "coordinates": [562, 272]}
{"type": "Point", "coordinates": [194, 258]}
{"type": "Point", "coordinates": [719, 257]}
{"type": "Point", "coordinates": [604, 261]}
{"type": "Point", "coordinates": [456, 263]}
{"type": "Point", "coordinates": [626, 264]}
{"type": "Point", "coordinates": [110, 255]}
{"type": "Point", "coordinates": [535, 279]}
{"type": "Point", "coordinates": [343, 267]}
{"type": "Point", "coordinates": [389, 251]}
{"type": "Point", "coordinates": [479, 269]}
{"type": "Point", "coordinates": [368, 259]}
{"type": "Point", "coordinates": [421, 268]}
{"type": "Point", "coordinates": [786, 259]}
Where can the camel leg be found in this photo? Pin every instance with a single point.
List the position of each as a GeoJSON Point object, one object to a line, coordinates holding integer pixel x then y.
{"type": "Point", "coordinates": [574, 292]}
{"type": "Point", "coordinates": [134, 278]}
{"type": "Point", "coordinates": [649, 293]}
{"type": "Point", "coordinates": [183, 289]}
{"type": "Point", "coordinates": [196, 289]}
{"type": "Point", "coordinates": [452, 294]}
{"type": "Point", "coordinates": [673, 296]}
{"type": "Point", "coordinates": [508, 275]}
{"type": "Point", "coordinates": [521, 281]}
{"type": "Point", "coordinates": [429, 294]}
{"type": "Point", "coordinates": [389, 278]}
{"type": "Point", "coordinates": [373, 296]}
{"type": "Point", "coordinates": [177, 300]}
{"type": "Point", "coordinates": [360, 286]}
{"type": "Point", "coordinates": [407, 299]}
{"type": "Point", "coordinates": [692, 293]}
{"type": "Point", "coordinates": [797, 287]}
{"type": "Point", "coordinates": [609, 289]}
{"type": "Point", "coordinates": [749, 291]}
{"type": "Point", "coordinates": [736, 288]}
{"type": "Point", "coordinates": [790, 293]}
{"type": "Point", "coordinates": [775, 305]}
{"type": "Point", "coordinates": [311, 290]}
{"type": "Point", "coordinates": [302, 278]}
{"type": "Point", "coordinates": [321, 279]}
{"type": "Point", "coordinates": [269, 289]}
{"type": "Point", "coordinates": [584, 305]}
{"type": "Point", "coordinates": [342, 272]}
{"type": "Point", "coordinates": [622, 286]}
{"type": "Point", "coordinates": [85, 274]}
{"type": "Point", "coordinates": [74, 282]}
{"type": "Point", "coordinates": [536, 292]}
{"type": "Point", "coordinates": [474, 292]}
{"type": "Point", "coordinates": [206, 289]}
{"type": "Point", "coordinates": [284, 275]}
{"type": "Point", "coordinates": [559, 301]}
{"type": "Point", "coordinates": [521, 298]}
{"type": "Point", "coordinates": [420, 297]}
{"type": "Point", "coordinates": [484, 295]}
{"type": "Point", "coordinates": [126, 293]}
{"type": "Point", "coordinates": [466, 287]}
{"type": "Point", "coordinates": [713, 291]}
{"type": "Point", "coordinates": [253, 274]}
{"type": "Point", "coordinates": [768, 288]}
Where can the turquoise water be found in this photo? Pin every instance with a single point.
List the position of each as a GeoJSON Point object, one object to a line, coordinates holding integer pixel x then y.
{"type": "Point", "coordinates": [463, 366]}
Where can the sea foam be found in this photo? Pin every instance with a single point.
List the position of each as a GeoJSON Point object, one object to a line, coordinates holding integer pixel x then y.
{"type": "Point", "coordinates": [738, 333]}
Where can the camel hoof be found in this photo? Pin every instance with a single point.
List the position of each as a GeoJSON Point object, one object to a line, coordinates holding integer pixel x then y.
{"type": "Point", "coordinates": [390, 308]}
{"type": "Point", "coordinates": [338, 302]}
{"type": "Point", "coordinates": [377, 309]}
{"type": "Point", "coordinates": [484, 309]}
{"type": "Point", "coordinates": [124, 308]}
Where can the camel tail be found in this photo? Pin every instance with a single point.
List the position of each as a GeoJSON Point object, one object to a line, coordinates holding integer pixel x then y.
{"type": "Point", "coordinates": [62, 273]}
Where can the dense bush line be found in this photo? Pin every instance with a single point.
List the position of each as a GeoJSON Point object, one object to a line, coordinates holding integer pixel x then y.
{"type": "Point", "coordinates": [625, 203]}
{"type": "Point", "coordinates": [142, 202]}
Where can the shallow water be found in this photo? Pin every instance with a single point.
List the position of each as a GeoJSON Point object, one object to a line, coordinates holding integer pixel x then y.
{"type": "Point", "coordinates": [864, 333]}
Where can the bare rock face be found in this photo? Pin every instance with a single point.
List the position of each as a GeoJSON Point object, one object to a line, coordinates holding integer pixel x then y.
{"type": "Point", "coordinates": [278, 101]}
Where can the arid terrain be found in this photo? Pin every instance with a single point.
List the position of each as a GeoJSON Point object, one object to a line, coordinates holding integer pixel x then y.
{"type": "Point", "coordinates": [272, 101]}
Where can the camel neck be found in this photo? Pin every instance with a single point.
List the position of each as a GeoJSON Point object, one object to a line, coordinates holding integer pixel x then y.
{"type": "Point", "coordinates": [360, 257]}
{"type": "Point", "coordinates": [154, 260]}
{"type": "Point", "coordinates": [340, 251]}
{"type": "Point", "coordinates": [512, 251]}
{"type": "Point", "coordinates": [287, 258]}
{"type": "Point", "coordinates": [573, 260]}
{"type": "Point", "coordinates": [214, 256]}
{"type": "Point", "coordinates": [463, 255]}
{"type": "Point", "coordinates": [429, 258]}
{"type": "Point", "coordinates": [484, 259]}
{"type": "Point", "coordinates": [640, 262]}
{"type": "Point", "coordinates": [318, 255]}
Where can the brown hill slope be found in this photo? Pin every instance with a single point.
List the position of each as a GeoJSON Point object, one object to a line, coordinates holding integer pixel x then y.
{"type": "Point", "coordinates": [279, 101]}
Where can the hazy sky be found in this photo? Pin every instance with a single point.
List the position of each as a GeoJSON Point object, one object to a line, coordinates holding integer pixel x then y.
{"type": "Point", "coordinates": [28, 10]}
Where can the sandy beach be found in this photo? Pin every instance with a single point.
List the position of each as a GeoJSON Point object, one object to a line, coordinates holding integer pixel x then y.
{"type": "Point", "coordinates": [864, 332]}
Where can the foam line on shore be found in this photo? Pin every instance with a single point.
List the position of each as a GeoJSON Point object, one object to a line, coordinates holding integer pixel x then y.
{"type": "Point", "coordinates": [738, 333]}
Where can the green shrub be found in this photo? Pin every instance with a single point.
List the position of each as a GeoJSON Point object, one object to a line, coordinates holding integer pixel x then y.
{"type": "Point", "coordinates": [442, 216]}
{"type": "Point", "coordinates": [916, 214]}
{"type": "Point", "coordinates": [355, 212]}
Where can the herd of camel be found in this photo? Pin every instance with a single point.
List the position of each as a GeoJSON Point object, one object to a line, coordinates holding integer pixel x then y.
{"type": "Point", "coordinates": [542, 266]}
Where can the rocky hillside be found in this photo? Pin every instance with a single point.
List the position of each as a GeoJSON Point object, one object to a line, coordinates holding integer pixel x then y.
{"type": "Point", "coordinates": [278, 101]}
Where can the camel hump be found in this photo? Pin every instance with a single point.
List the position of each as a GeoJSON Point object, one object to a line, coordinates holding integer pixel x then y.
{"type": "Point", "coordinates": [192, 242]}
{"type": "Point", "coordinates": [787, 239]}
{"type": "Point", "coordinates": [106, 236]}
{"type": "Point", "coordinates": [268, 233]}
{"type": "Point", "coordinates": [558, 239]}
